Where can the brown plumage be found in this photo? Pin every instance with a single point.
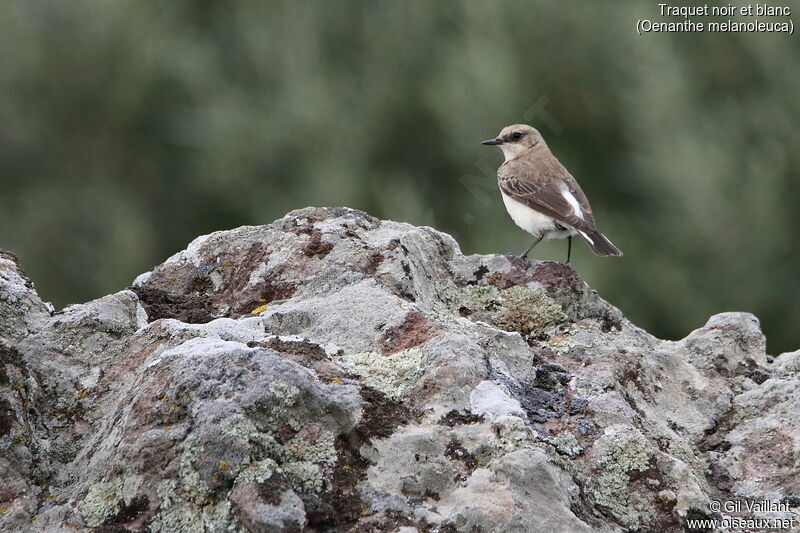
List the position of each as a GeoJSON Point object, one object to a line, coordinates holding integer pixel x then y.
{"type": "Point", "coordinates": [532, 176]}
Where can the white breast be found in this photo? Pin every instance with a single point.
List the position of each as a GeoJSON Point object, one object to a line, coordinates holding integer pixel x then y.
{"type": "Point", "coordinates": [526, 218]}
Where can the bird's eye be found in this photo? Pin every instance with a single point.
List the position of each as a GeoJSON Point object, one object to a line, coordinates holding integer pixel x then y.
{"type": "Point", "coordinates": [516, 136]}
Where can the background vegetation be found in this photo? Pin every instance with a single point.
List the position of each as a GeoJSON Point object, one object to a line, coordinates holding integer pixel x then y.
{"type": "Point", "coordinates": [127, 128]}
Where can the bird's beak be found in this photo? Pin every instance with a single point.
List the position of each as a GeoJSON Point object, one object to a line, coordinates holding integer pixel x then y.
{"type": "Point", "coordinates": [492, 142]}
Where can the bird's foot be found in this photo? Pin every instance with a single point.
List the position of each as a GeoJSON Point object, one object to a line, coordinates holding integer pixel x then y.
{"type": "Point", "coordinates": [524, 255]}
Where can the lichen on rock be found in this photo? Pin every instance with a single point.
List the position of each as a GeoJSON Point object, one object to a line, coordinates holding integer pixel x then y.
{"type": "Point", "coordinates": [626, 455]}
{"type": "Point", "coordinates": [101, 502]}
{"type": "Point", "coordinates": [386, 383]}
{"type": "Point", "coordinates": [518, 308]}
{"type": "Point", "coordinates": [390, 374]}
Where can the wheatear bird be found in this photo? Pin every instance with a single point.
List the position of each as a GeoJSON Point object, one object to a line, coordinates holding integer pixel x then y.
{"type": "Point", "coordinates": [540, 194]}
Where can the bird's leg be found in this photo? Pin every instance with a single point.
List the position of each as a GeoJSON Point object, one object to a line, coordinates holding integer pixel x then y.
{"type": "Point", "coordinates": [524, 254]}
{"type": "Point", "coordinates": [569, 248]}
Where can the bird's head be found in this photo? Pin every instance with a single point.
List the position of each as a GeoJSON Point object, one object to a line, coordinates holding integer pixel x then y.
{"type": "Point", "coordinates": [516, 140]}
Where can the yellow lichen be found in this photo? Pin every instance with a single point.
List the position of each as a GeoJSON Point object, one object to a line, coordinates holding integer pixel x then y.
{"type": "Point", "coordinates": [258, 310]}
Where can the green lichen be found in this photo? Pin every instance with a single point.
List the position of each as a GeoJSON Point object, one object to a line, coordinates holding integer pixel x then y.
{"type": "Point", "coordinates": [390, 374]}
{"type": "Point", "coordinates": [101, 502]}
{"type": "Point", "coordinates": [566, 443]}
{"type": "Point", "coordinates": [303, 475]}
{"type": "Point", "coordinates": [177, 519]}
{"type": "Point", "coordinates": [288, 394]}
{"type": "Point", "coordinates": [243, 427]}
{"type": "Point", "coordinates": [298, 458]}
{"type": "Point", "coordinates": [273, 414]}
{"type": "Point", "coordinates": [186, 506]}
{"type": "Point", "coordinates": [513, 434]}
{"type": "Point", "coordinates": [562, 342]}
{"type": "Point", "coordinates": [629, 453]}
{"type": "Point", "coordinates": [218, 518]}
{"type": "Point", "coordinates": [258, 472]}
{"type": "Point", "coordinates": [166, 491]}
{"type": "Point", "coordinates": [519, 308]}
{"type": "Point", "coordinates": [239, 426]}
{"type": "Point", "coordinates": [454, 300]}
{"type": "Point", "coordinates": [528, 311]}
{"type": "Point", "coordinates": [285, 397]}
{"type": "Point", "coordinates": [320, 451]}
{"type": "Point", "coordinates": [194, 488]}
{"type": "Point", "coordinates": [174, 516]}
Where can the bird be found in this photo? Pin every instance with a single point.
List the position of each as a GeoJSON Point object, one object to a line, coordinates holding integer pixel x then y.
{"type": "Point", "coordinates": [541, 196]}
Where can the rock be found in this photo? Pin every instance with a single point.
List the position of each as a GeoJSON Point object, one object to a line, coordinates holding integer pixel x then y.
{"type": "Point", "coordinates": [22, 310]}
{"type": "Point", "coordinates": [334, 372]}
{"type": "Point", "coordinates": [758, 457]}
{"type": "Point", "coordinates": [490, 401]}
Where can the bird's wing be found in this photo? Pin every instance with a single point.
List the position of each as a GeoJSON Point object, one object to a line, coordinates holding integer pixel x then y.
{"type": "Point", "coordinates": [553, 192]}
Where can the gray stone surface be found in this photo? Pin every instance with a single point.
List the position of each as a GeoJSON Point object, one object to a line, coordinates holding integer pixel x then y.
{"type": "Point", "coordinates": [334, 372]}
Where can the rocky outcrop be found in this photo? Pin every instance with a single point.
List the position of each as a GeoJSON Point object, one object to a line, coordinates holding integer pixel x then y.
{"type": "Point", "coordinates": [334, 372]}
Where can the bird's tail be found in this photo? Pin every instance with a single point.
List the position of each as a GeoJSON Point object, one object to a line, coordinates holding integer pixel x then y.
{"type": "Point", "coordinates": [600, 244]}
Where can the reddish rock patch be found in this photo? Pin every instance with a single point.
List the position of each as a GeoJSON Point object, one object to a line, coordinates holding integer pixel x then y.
{"type": "Point", "coordinates": [517, 275]}
{"type": "Point", "coordinates": [414, 331]}
{"type": "Point", "coordinates": [556, 276]}
{"type": "Point", "coordinates": [192, 308]}
{"type": "Point", "coordinates": [769, 454]}
{"type": "Point", "coordinates": [316, 247]}
{"type": "Point", "coordinates": [373, 262]}
{"type": "Point", "coordinates": [270, 291]}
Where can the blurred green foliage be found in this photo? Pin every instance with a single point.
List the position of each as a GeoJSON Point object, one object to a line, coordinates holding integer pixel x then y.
{"type": "Point", "coordinates": [127, 128]}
